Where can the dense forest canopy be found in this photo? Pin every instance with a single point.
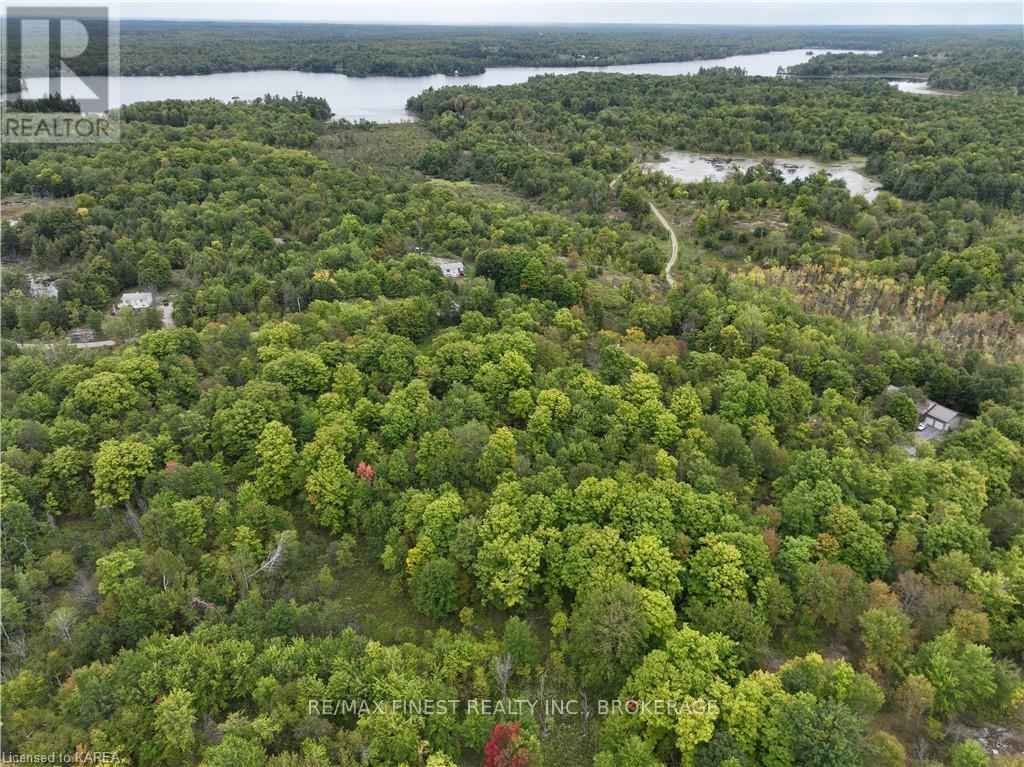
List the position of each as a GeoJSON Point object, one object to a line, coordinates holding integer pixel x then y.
{"type": "Point", "coordinates": [956, 165]}
{"type": "Point", "coordinates": [337, 475]}
{"type": "Point", "coordinates": [187, 48]}
{"type": "Point", "coordinates": [922, 148]}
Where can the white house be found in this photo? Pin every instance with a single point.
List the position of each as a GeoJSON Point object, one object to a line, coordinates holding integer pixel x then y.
{"type": "Point", "coordinates": [136, 300]}
{"type": "Point", "coordinates": [451, 268]}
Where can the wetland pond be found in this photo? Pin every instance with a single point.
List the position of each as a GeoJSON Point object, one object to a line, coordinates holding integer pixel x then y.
{"type": "Point", "coordinates": [689, 167]}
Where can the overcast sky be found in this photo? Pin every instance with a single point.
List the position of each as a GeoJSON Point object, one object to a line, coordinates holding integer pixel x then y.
{"type": "Point", "coordinates": [587, 11]}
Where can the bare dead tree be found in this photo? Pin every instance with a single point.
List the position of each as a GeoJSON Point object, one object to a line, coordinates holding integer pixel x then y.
{"type": "Point", "coordinates": [20, 541]}
{"type": "Point", "coordinates": [84, 590]}
{"type": "Point", "coordinates": [274, 558]}
{"type": "Point", "coordinates": [131, 516]}
{"type": "Point", "coordinates": [585, 709]}
{"type": "Point", "coordinates": [543, 705]}
{"type": "Point", "coordinates": [244, 566]}
{"type": "Point", "coordinates": [16, 646]}
{"type": "Point", "coordinates": [911, 588]}
{"type": "Point", "coordinates": [132, 520]}
{"type": "Point", "coordinates": [922, 749]}
{"type": "Point", "coordinates": [503, 672]}
{"type": "Point", "coordinates": [62, 620]}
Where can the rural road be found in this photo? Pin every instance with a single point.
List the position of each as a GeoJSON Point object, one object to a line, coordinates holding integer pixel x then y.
{"type": "Point", "coordinates": [675, 245]}
{"type": "Point", "coordinates": [671, 236]}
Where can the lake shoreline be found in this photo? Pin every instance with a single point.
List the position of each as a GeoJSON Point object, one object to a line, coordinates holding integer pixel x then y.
{"type": "Point", "coordinates": [383, 98]}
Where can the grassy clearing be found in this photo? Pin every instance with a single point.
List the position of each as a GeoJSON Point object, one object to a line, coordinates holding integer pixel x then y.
{"type": "Point", "coordinates": [14, 206]}
{"type": "Point", "coordinates": [388, 147]}
{"type": "Point", "coordinates": [488, 193]}
{"type": "Point", "coordinates": [362, 596]}
{"type": "Point", "coordinates": [393, 148]}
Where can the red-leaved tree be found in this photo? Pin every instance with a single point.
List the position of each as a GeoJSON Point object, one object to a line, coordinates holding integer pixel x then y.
{"type": "Point", "coordinates": [503, 749]}
{"type": "Point", "coordinates": [365, 472]}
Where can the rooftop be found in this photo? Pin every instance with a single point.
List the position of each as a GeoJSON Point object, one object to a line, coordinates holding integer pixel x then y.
{"type": "Point", "coordinates": [137, 300]}
{"type": "Point", "coordinates": [942, 413]}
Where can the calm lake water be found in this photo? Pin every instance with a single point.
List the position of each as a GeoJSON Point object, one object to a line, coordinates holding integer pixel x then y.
{"type": "Point", "coordinates": [382, 99]}
{"type": "Point", "coordinates": [690, 167]}
{"type": "Point", "coordinates": [917, 86]}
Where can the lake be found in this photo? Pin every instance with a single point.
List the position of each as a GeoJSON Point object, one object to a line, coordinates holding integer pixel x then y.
{"type": "Point", "coordinates": [691, 166]}
{"type": "Point", "coordinates": [919, 87]}
{"type": "Point", "coordinates": [382, 99]}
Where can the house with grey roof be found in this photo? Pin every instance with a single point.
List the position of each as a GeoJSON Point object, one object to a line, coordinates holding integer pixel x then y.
{"type": "Point", "coordinates": [941, 417]}
{"type": "Point", "coordinates": [934, 419]}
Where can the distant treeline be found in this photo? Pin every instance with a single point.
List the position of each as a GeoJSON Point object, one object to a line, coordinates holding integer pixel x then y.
{"type": "Point", "coordinates": [183, 48]}
{"type": "Point", "coordinates": [959, 62]}
{"type": "Point", "coordinates": [50, 103]}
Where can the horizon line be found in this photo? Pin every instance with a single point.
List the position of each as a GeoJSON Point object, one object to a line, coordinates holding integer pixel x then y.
{"type": "Point", "coordinates": [383, 23]}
